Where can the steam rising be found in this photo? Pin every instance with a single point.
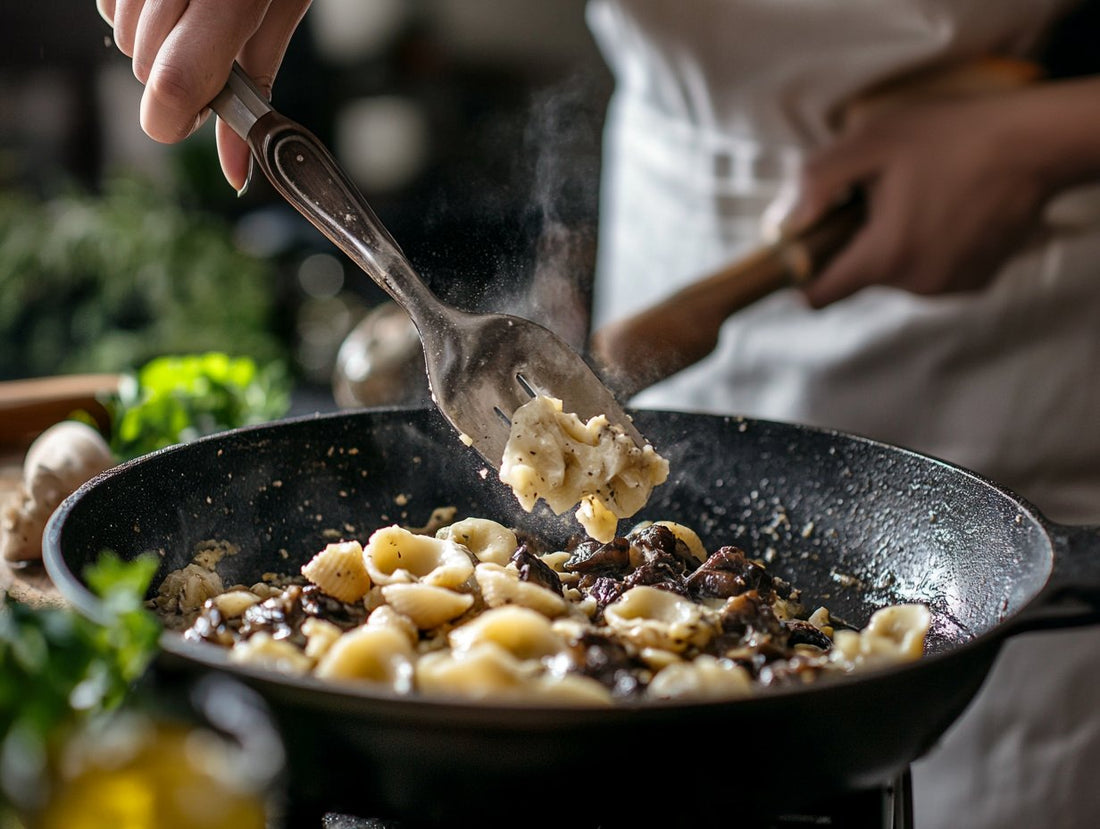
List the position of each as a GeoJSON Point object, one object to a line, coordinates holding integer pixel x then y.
{"type": "Point", "coordinates": [562, 137]}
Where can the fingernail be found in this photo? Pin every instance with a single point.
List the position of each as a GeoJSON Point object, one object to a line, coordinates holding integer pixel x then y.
{"type": "Point", "coordinates": [247, 179]}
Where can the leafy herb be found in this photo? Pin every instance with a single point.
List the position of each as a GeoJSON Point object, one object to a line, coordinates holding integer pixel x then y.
{"type": "Point", "coordinates": [178, 398]}
{"type": "Point", "coordinates": [108, 282]}
{"type": "Point", "coordinates": [59, 670]}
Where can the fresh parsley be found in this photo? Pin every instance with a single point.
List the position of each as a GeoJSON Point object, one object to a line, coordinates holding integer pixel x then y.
{"type": "Point", "coordinates": [174, 399]}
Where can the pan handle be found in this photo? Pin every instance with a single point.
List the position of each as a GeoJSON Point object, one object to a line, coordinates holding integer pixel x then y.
{"type": "Point", "coordinates": [1071, 596]}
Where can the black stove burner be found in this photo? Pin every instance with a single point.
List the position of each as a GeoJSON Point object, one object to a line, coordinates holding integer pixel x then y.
{"type": "Point", "coordinates": [885, 807]}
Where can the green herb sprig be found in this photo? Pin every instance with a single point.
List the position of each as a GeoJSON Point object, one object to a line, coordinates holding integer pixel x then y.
{"type": "Point", "coordinates": [59, 670]}
{"type": "Point", "coordinates": [175, 399]}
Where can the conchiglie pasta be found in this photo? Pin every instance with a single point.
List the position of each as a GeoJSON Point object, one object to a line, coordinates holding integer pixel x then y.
{"type": "Point", "coordinates": [265, 651]}
{"type": "Point", "coordinates": [522, 632]}
{"type": "Point", "coordinates": [485, 672]}
{"type": "Point", "coordinates": [893, 634]}
{"type": "Point", "coordinates": [569, 689]}
{"type": "Point", "coordinates": [394, 555]}
{"type": "Point", "coordinates": [320, 634]}
{"type": "Point", "coordinates": [598, 521]}
{"type": "Point", "coordinates": [901, 628]}
{"type": "Point", "coordinates": [688, 536]}
{"type": "Point", "coordinates": [702, 678]}
{"type": "Point", "coordinates": [233, 603]}
{"type": "Point", "coordinates": [339, 571]}
{"type": "Point", "coordinates": [487, 540]}
{"type": "Point", "coordinates": [376, 654]}
{"type": "Point", "coordinates": [502, 585]}
{"type": "Point", "coordinates": [653, 618]}
{"type": "Point", "coordinates": [388, 616]}
{"type": "Point", "coordinates": [426, 605]}
{"type": "Point", "coordinates": [557, 561]}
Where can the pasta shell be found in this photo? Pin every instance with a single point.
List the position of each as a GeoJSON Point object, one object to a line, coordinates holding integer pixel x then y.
{"type": "Point", "coordinates": [893, 634]}
{"type": "Point", "coordinates": [233, 603]}
{"type": "Point", "coordinates": [556, 562]}
{"type": "Point", "coordinates": [426, 605]}
{"type": "Point", "coordinates": [689, 537]}
{"type": "Point", "coordinates": [522, 632]}
{"type": "Point", "coordinates": [320, 635]}
{"type": "Point", "coordinates": [652, 618]}
{"type": "Point", "coordinates": [339, 571]}
{"type": "Point", "coordinates": [386, 615]}
{"type": "Point", "coordinates": [598, 521]}
{"type": "Point", "coordinates": [703, 678]}
{"type": "Point", "coordinates": [394, 555]}
{"type": "Point", "coordinates": [372, 653]}
{"type": "Point", "coordinates": [502, 585]}
{"type": "Point", "coordinates": [487, 540]}
{"type": "Point", "coordinates": [264, 651]}
{"type": "Point", "coordinates": [902, 626]}
{"type": "Point", "coordinates": [571, 689]}
{"type": "Point", "coordinates": [658, 658]}
{"type": "Point", "coordinates": [486, 672]}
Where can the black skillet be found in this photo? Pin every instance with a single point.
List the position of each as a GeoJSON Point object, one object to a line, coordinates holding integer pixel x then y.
{"type": "Point", "coordinates": [854, 523]}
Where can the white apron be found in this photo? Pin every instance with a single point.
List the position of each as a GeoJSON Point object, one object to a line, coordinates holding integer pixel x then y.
{"type": "Point", "coordinates": [715, 102]}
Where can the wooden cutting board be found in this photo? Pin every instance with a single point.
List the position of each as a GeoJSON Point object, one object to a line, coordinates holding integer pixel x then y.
{"type": "Point", "coordinates": [27, 407]}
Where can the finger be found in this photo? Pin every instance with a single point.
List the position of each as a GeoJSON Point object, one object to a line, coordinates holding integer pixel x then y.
{"type": "Point", "coordinates": [124, 21]}
{"type": "Point", "coordinates": [261, 58]}
{"type": "Point", "coordinates": [235, 157]}
{"type": "Point", "coordinates": [829, 177]}
{"type": "Point", "coordinates": [844, 275]}
{"type": "Point", "coordinates": [193, 64]}
{"type": "Point", "coordinates": [106, 10]}
{"type": "Point", "coordinates": [262, 55]}
{"type": "Point", "coordinates": [876, 254]}
{"type": "Point", "coordinates": [157, 19]}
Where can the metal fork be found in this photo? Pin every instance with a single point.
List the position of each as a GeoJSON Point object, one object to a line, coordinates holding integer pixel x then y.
{"type": "Point", "coordinates": [481, 367]}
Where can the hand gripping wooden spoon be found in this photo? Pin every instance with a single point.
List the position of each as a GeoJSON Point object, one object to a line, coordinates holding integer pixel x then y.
{"type": "Point", "coordinates": [637, 351]}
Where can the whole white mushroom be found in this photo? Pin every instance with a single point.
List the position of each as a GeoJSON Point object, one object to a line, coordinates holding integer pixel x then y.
{"type": "Point", "coordinates": [62, 458]}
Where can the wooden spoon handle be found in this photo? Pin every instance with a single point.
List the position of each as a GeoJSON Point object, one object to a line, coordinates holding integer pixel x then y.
{"type": "Point", "coordinates": [682, 329]}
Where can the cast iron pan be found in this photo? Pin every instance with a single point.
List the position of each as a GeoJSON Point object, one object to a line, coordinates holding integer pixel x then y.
{"type": "Point", "coordinates": [854, 523]}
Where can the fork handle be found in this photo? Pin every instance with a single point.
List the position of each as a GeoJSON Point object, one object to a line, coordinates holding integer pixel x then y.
{"type": "Point", "coordinates": [300, 167]}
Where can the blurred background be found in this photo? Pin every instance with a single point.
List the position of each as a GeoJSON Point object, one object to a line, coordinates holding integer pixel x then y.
{"type": "Point", "coordinates": [471, 126]}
